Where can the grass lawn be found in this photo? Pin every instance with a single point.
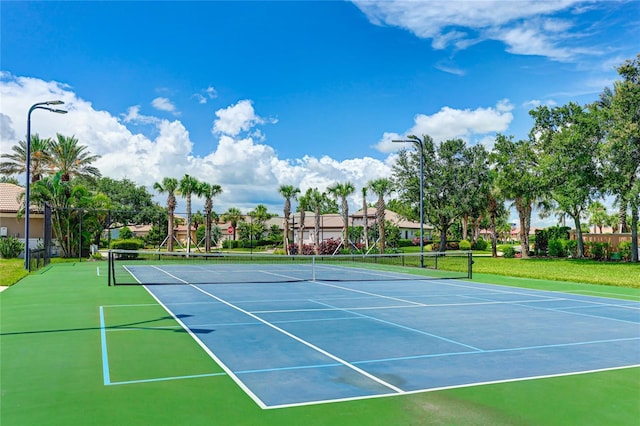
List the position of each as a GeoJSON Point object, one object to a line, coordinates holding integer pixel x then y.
{"type": "Point", "coordinates": [573, 270]}
{"type": "Point", "coordinates": [11, 271]}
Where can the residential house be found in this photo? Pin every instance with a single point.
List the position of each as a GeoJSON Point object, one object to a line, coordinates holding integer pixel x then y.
{"type": "Point", "coordinates": [13, 226]}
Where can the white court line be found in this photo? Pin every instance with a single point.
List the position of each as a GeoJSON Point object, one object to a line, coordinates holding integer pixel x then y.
{"type": "Point", "coordinates": [415, 305]}
{"type": "Point", "coordinates": [604, 292]}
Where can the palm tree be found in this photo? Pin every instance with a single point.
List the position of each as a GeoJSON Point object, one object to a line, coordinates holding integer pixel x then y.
{"type": "Point", "coordinates": [188, 186]}
{"type": "Point", "coordinates": [381, 187]}
{"type": "Point", "coordinates": [316, 198]}
{"type": "Point", "coordinates": [169, 185]}
{"type": "Point", "coordinates": [72, 159]}
{"type": "Point", "coordinates": [233, 216]}
{"type": "Point", "coordinates": [18, 159]}
{"type": "Point", "coordinates": [365, 223]}
{"type": "Point", "coordinates": [598, 215]}
{"type": "Point", "coordinates": [64, 198]}
{"type": "Point", "coordinates": [208, 191]}
{"type": "Point", "coordinates": [259, 217]}
{"type": "Point", "coordinates": [342, 191]}
{"type": "Point", "coordinates": [288, 192]}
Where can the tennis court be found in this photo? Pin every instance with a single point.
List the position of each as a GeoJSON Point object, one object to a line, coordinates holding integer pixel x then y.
{"type": "Point", "coordinates": [360, 332]}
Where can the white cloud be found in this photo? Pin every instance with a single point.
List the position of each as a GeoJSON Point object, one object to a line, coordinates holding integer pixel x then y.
{"type": "Point", "coordinates": [133, 116]}
{"type": "Point", "coordinates": [534, 103]}
{"type": "Point", "coordinates": [206, 94]}
{"type": "Point", "coordinates": [164, 104]}
{"type": "Point", "coordinates": [449, 123]}
{"type": "Point", "coordinates": [236, 118]}
{"type": "Point", "coordinates": [526, 27]}
{"type": "Point", "coordinates": [248, 171]}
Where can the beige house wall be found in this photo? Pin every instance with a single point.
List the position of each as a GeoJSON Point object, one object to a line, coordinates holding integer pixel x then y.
{"type": "Point", "coordinates": [15, 225]}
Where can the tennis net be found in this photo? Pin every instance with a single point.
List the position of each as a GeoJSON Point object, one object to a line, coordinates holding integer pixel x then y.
{"type": "Point", "coordinates": [155, 267]}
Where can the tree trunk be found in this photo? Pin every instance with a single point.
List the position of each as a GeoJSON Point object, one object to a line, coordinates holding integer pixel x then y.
{"type": "Point", "coordinates": [207, 237]}
{"type": "Point", "coordinates": [634, 232]}
{"type": "Point", "coordinates": [285, 237]}
{"type": "Point", "coordinates": [622, 217]}
{"type": "Point", "coordinates": [494, 242]}
{"type": "Point", "coordinates": [381, 230]}
{"type": "Point", "coordinates": [465, 226]}
{"type": "Point", "coordinates": [301, 236]}
{"type": "Point", "coordinates": [345, 219]}
{"type": "Point", "coordinates": [365, 223]}
{"type": "Point", "coordinates": [444, 227]}
{"type": "Point", "coordinates": [524, 213]}
{"type": "Point", "coordinates": [579, 240]}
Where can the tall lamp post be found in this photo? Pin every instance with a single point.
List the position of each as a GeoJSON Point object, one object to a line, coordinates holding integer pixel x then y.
{"type": "Point", "coordinates": [418, 142]}
{"type": "Point", "coordinates": [27, 198]}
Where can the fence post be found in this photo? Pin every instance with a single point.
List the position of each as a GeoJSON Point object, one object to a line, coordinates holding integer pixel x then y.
{"type": "Point", "coordinates": [109, 263]}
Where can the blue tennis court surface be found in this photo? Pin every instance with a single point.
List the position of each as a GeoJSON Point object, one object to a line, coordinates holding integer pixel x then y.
{"type": "Point", "coordinates": [297, 343]}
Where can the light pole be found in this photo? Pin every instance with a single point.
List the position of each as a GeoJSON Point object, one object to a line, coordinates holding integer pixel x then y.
{"type": "Point", "coordinates": [416, 140]}
{"type": "Point", "coordinates": [27, 198]}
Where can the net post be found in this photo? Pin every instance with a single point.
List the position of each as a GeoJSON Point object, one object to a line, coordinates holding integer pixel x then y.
{"type": "Point", "coordinates": [470, 261]}
{"type": "Point", "coordinates": [313, 268]}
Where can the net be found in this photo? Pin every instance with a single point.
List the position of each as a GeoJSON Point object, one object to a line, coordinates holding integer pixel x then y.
{"type": "Point", "coordinates": [154, 267]}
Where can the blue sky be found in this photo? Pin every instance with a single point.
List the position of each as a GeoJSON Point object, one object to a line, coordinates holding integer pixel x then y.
{"type": "Point", "coordinates": [252, 95]}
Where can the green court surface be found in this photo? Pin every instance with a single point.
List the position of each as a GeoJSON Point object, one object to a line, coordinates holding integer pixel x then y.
{"type": "Point", "coordinates": [51, 370]}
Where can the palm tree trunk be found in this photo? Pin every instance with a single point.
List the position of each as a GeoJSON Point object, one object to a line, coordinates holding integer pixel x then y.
{"type": "Point", "coordinates": [207, 237]}
{"type": "Point", "coordinates": [622, 217]}
{"type": "Point", "coordinates": [170, 230]}
{"type": "Point", "coordinates": [380, 216]}
{"type": "Point", "coordinates": [494, 242]}
{"type": "Point", "coordinates": [365, 223]}
{"type": "Point", "coordinates": [285, 237]}
{"type": "Point", "coordinates": [188, 223]}
{"type": "Point", "coordinates": [301, 236]}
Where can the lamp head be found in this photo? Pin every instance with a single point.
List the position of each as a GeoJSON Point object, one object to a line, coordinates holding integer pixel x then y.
{"type": "Point", "coordinates": [56, 102]}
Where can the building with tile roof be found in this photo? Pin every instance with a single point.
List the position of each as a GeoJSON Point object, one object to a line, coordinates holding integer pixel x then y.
{"type": "Point", "coordinates": [11, 223]}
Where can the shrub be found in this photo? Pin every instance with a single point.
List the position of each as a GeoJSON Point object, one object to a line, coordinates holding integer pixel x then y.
{"type": "Point", "coordinates": [557, 248]}
{"type": "Point", "coordinates": [329, 246]}
{"type": "Point", "coordinates": [624, 248]}
{"type": "Point", "coordinates": [307, 249]}
{"type": "Point", "coordinates": [509, 252]}
{"type": "Point", "coordinates": [96, 256]}
{"type": "Point", "coordinates": [131, 244]}
{"type": "Point", "coordinates": [542, 242]}
{"type": "Point", "coordinates": [599, 251]}
{"type": "Point", "coordinates": [407, 242]}
{"type": "Point", "coordinates": [10, 247]}
{"type": "Point", "coordinates": [229, 244]}
{"type": "Point", "coordinates": [480, 244]}
{"type": "Point", "coordinates": [558, 233]}
{"type": "Point", "coordinates": [125, 233]}
{"type": "Point", "coordinates": [571, 247]}
{"type": "Point", "coordinates": [453, 245]}
{"type": "Point", "coordinates": [465, 245]}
